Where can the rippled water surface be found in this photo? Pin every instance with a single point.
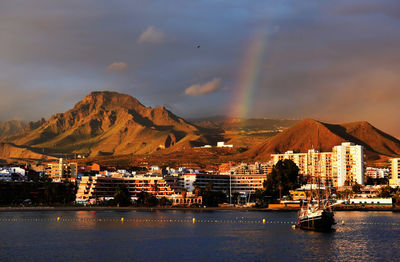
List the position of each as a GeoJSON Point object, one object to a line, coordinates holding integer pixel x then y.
{"type": "Point", "coordinates": [215, 236]}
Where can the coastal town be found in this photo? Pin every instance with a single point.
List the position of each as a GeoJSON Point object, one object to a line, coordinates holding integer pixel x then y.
{"type": "Point", "coordinates": [342, 171]}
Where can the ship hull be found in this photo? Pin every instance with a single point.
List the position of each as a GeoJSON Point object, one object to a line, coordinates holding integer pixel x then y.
{"type": "Point", "coordinates": [322, 223]}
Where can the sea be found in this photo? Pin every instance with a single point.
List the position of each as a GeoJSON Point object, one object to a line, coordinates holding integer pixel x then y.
{"type": "Point", "coordinates": [175, 235]}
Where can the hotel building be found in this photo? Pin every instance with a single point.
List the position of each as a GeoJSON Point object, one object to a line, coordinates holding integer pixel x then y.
{"type": "Point", "coordinates": [219, 182]}
{"type": "Point", "coordinates": [394, 171]}
{"type": "Point", "coordinates": [247, 184]}
{"type": "Point", "coordinates": [245, 178]}
{"type": "Point", "coordinates": [312, 163]}
{"type": "Point", "coordinates": [348, 164]}
{"type": "Point", "coordinates": [62, 170]}
{"type": "Point", "coordinates": [343, 166]}
{"type": "Point", "coordinates": [104, 187]}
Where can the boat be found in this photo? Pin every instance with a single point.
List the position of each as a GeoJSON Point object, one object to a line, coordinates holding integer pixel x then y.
{"type": "Point", "coordinates": [316, 217]}
{"type": "Point", "coordinates": [316, 214]}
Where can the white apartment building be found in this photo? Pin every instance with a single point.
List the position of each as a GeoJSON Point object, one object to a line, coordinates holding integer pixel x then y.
{"type": "Point", "coordinates": [6, 174]}
{"type": "Point", "coordinates": [344, 165]}
{"type": "Point", "coordinates": [312, 163]}
{"type": "Point", "coordinates": [348, 163]}
{"type": "Point", "coordinates": [375, 173]}
{"type": "Point", "coordinates": [394, 171]}
{"type": "Point", "coordinates": [61, 170]}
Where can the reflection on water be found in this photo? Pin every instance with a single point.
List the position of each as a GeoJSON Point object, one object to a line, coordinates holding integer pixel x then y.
{"type": "Point", "coordinates": [101, 235]}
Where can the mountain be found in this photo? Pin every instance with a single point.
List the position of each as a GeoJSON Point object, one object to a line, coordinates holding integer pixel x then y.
{"type": "Point", "coordinates": [310, 133]}
{"type": "Point", "coordinates": [11, 127]}
{"type": "Point", "coordinates": [244, 132]}
{"type": "Point", "coordinates": [110, 123]}
{"type": "Point", "coordinates": [242, 124]}
{"type": "Point", "coordinates": [11, 152]}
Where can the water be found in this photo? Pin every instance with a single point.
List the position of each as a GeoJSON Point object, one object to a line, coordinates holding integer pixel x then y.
{"type": "Point", "coordinates": [231, 236]}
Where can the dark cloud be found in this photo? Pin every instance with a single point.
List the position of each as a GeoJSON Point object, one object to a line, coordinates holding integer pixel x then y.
{"type": "Point", "coordinates": [335, 61]}
{"type": "Point", "coordinates": [389, 8]}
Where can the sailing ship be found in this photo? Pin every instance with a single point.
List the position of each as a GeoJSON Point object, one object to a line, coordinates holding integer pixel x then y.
{"type": "Point", "coordinates": [316, 214]}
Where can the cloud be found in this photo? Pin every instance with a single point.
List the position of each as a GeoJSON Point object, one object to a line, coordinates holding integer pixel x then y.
{"type": "Point", "coordinates": [117, 66]}
{"type": "Point", "coordinates": [389, 8]}
{"type": "Point", "coordinates": [151, 35]}
{"type": "Point", "coordinates": [204, 89]}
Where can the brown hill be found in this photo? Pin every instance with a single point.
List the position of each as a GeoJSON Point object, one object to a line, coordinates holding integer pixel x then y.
{"type": "Point", "coordinates": [322, 136]}
{"type": "Point", "coordinates": [243, 124]}
{"type": "Point", "coordinates": [12, 152]}
{"type": "Point", "coordinates": [109, 123]}
{"type": "Point", "coordinates": [12, 127]}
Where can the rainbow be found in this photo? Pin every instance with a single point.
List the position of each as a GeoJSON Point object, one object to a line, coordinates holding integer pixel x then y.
{"type": "Point", "coordinates": [249, 76]}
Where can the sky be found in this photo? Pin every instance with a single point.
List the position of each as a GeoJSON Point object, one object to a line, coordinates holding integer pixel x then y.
{"type": "Point", "coordinates": [335, 61]}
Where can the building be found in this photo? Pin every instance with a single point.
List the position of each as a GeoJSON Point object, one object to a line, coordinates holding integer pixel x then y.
{"type": "Point", "coordinates": [5, 175]}
{"type": "Point", "coordinates": [257, 168]}
{"type": "Point", "coordinates": [394, 171]}
{"type": "Point", "coordinates": [313, 164]}
{"type": "Point", "coordinates": [343, 166]}
{"type": "Point", "coordinates": [247, 183]}
{"type": "Point", "coordinates": [348, 164]}
{"type": "Point", "coordinates": [298, 194]}
{"type": "Point", "coordinates": [12, 174]}
{"type": "Point", "coordinates": [62, 170]}
{"type": "Point", "coordinates": [186, 199]}
{"type": "Point", "coordinates": [104, 187]}
{"type": "Point", "coordinates": [219, 182]}
{"type": "Point", "coordinates": [376, 173]}
{"type": "Point", "coordinates": [222, 144]}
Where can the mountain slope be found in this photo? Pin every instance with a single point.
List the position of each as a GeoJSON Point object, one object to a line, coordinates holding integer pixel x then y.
{"type": "Point", "coordinates": [242, 124]}
{"type": "Point", "coordinates": [322, 136]}
{"type": "Point", "coordinates": [10, 152]}
{"type": "Point", "coordinates": [110, 123]}
{"type": "Point", "coordinates": [12, 127]}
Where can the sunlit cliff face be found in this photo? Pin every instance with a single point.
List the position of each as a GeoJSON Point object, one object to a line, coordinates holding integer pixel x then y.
{"type": "Point", "coordinates": [335, 61]}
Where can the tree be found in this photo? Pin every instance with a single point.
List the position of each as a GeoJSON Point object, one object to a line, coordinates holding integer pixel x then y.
{"type": "Point", "coordinates": [196, 190]}
{"type": "Point", "coordinates": [146, 199]}
{"type": "Point", "coordinates": [122, 196]}
{"type": "Point", "coordinates": [356, 188]}
{"type": "Point", "coordinates": [347, 193]}
{"type": "Point", "coordinates": [236, 197]}
{"type": "Point", "coordinates": [386, 192]}
{"type": "Point", "coordinates": [164, 202]}
{"type": "Point", "coordinates": [260, 197]}
{"type": "Point", "coordinates": [284, 177]}
{"type": "Point", "coordinates": [155, 187]}
{"type": "Point", "coordinates": [213, 198]}
{"type": "Point", "coordinates": [184, 194]}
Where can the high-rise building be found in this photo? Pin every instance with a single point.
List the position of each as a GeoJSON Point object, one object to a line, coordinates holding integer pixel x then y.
{"type": "Point", "coordinates": [348, 164]}
{"type": "Point", "coordinates": [343, 166]}
{"type": "Point", "coordinates": [394, 171]}
{"type": "Point", "coordinates": [313, 163]}
{"type": "Point", "coordinates": [62, 170]}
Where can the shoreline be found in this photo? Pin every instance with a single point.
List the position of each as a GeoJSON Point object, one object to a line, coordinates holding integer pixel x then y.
{"type": "Point", "coordinates": [208, 209]}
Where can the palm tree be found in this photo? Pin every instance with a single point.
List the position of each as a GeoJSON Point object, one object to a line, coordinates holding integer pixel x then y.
{"type": "Point", "coordinates": [196, 190]}
{"type": "Point", "coordinates": [155, 188]}
{"type": "Point", "coordinates": [184, 193]}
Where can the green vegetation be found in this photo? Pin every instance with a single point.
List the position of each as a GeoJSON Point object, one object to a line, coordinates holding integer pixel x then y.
{"type": "Point", "coordinates": [122, 196]}
{"type": "Point", "coordinates": [356, 188]}
{"type": "Point", "coordinates": [42, 192]}
{"type": "Point", "coordinates": [284, 177]}
{"type": "Point", "coordinates": [146, 200]}
{"type": "Point", "coordinates": [210, 197]}
{"type": "Point", "coordinates": [377, 181]}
